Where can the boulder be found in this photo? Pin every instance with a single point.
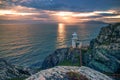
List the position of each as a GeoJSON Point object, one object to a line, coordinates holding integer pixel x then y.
{"type": "Point", "coordinates": [60, 73]}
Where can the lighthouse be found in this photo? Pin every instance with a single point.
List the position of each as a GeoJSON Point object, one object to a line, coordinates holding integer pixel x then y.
{"type": "Point", "coordinates": [75, 41]}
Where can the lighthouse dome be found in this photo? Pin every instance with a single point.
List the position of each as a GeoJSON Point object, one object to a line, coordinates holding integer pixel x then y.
{"type": "Point", "coordinates": [74, 35]}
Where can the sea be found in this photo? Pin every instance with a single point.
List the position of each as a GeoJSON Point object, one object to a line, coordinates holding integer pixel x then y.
{"type": "Point", "coordinates": [28, 45]}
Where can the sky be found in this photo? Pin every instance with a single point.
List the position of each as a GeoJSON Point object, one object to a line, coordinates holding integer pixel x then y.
{"type": "Point", "coordinates": [59, 11]}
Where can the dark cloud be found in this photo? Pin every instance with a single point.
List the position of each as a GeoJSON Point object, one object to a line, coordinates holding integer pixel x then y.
{"type": "Point", "coordinates": [107, 14]}
{"type": "Point", "coordinates": [67, 5]}
{"type": "Point", "coordinates": [8, 3]}
{"type": "Point", "coordinates": [72, 5]}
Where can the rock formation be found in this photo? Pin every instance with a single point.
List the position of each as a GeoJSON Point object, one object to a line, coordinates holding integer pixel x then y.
{"type": "Point", "coordinates": [104, 52]}
{"type": "Point", "coordinates": [60, 55]}
{"type": "Point", "coordinates": [8, 71]}
{"type": "Point", "coordinates": [60, 73]}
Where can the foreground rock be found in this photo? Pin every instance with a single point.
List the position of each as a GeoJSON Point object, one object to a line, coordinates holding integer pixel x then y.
{"type": "Point", "coordinates": [8, 71]}
{"type": "Point", "coordinates": [59, 73]}
{"type": "Point", "coordinates": [104, 54]}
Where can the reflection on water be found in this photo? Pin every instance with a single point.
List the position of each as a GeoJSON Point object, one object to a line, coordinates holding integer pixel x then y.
{"type": "Point", "coordinates": [61, 35]}
{"type": "Point", "coordinates": [14, 41]}
{"type": "Point", "coordinates": [61, 28]}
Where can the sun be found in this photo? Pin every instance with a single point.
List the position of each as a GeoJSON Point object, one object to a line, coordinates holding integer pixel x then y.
{"type": "Point", "coordinates": [64, 17]}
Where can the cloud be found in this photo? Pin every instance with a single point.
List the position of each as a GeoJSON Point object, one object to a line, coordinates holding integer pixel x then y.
{"type": "Point", "coordinates": [60, 11]}
{"type": "Point", "coordinates": [64, 5]}
{"type": "Point", "coordinates": [20, 13]}
{"type": "Point", "coordinates": [71, 5]}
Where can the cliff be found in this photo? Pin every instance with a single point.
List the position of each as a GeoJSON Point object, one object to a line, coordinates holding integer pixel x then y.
{"type": "Point", "coordinates": [8, 71]}
{"type": "Point", "coordinates": [104, 52]}
{"type": "Point", "coordinates": [67, 73]}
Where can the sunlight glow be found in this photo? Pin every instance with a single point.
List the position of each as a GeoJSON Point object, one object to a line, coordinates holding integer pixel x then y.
{"type": "Point", "coordinates": [71, 17]}
{"type": "Point", "coordinates": [64, 14]}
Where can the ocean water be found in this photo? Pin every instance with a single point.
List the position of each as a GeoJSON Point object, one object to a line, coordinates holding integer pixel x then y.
{"type": "Point", "coordinates": [28, 44]}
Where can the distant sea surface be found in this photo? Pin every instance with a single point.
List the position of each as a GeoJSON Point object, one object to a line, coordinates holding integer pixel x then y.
{"type": "Point", "coordinates": [28, 44]}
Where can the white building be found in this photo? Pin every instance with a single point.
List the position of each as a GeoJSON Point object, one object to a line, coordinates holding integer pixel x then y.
{"type": "Point", "coordinates": [75, 41]}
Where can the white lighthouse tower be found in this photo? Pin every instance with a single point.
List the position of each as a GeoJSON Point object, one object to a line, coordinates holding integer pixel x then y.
{"type": "Point", "coordinates": [75, 41]}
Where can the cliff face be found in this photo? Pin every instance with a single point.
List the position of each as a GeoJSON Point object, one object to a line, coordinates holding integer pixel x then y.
{"type": "Point", "coordinates": [60, 73]}
{"type": "Point", "coordinates": [8, 71]}
{"type": "Point", "coordinates": [66, 55]}
{"type": "Point", "coordinates": [109, 37]}
{"type": "Point", "coordinates": [104, 54]}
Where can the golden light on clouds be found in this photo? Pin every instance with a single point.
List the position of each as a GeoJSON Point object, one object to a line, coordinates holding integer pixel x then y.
{"type": "Point", "coordinates": [66, 17]}
{"type": "Point", "coordinates": [71, 17]}
{"type": "Point", "coordinates": [84, 14]}
{"type": "Point", "coordinates": [108, 12]}
{"type": "Point", "coordinates": [63, 17]}
{"type": "Point", "coordinates": [75, 14]}
{"type": "Point", "coordinates": [63, 14]}
{"type": "Point", "coordinates": [18, 11]}
{"type": "Point", "coordinates": [117, 17]}
{"type": "Point", "coordinates": [4, 12]}
{"type": "Point", "coordinates": [12, 12]}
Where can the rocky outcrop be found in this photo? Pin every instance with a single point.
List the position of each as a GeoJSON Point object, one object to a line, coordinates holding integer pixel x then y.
{"type": "Point", "coordinates": [60, 73]}
{"type": "Point", "coordinates": [60, 55]}
{"type": "Point", "coordinates": [104, 52]}
{"type": "Point", "coordinates": [8, 71]}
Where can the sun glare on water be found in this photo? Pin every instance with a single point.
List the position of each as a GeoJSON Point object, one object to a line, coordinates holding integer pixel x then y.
{"type": "Point", "coordinates": [61, 27]}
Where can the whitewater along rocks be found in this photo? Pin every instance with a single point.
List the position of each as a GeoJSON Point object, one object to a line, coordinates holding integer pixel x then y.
{"type": "Point", "coordinates": [104, 52]}
{"type": "Point", "coordinates": [68, 56]}
{"type": "Point", "coordinates": [8, 71]}
{"type": "Point", "coordinates": [61, 73]}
